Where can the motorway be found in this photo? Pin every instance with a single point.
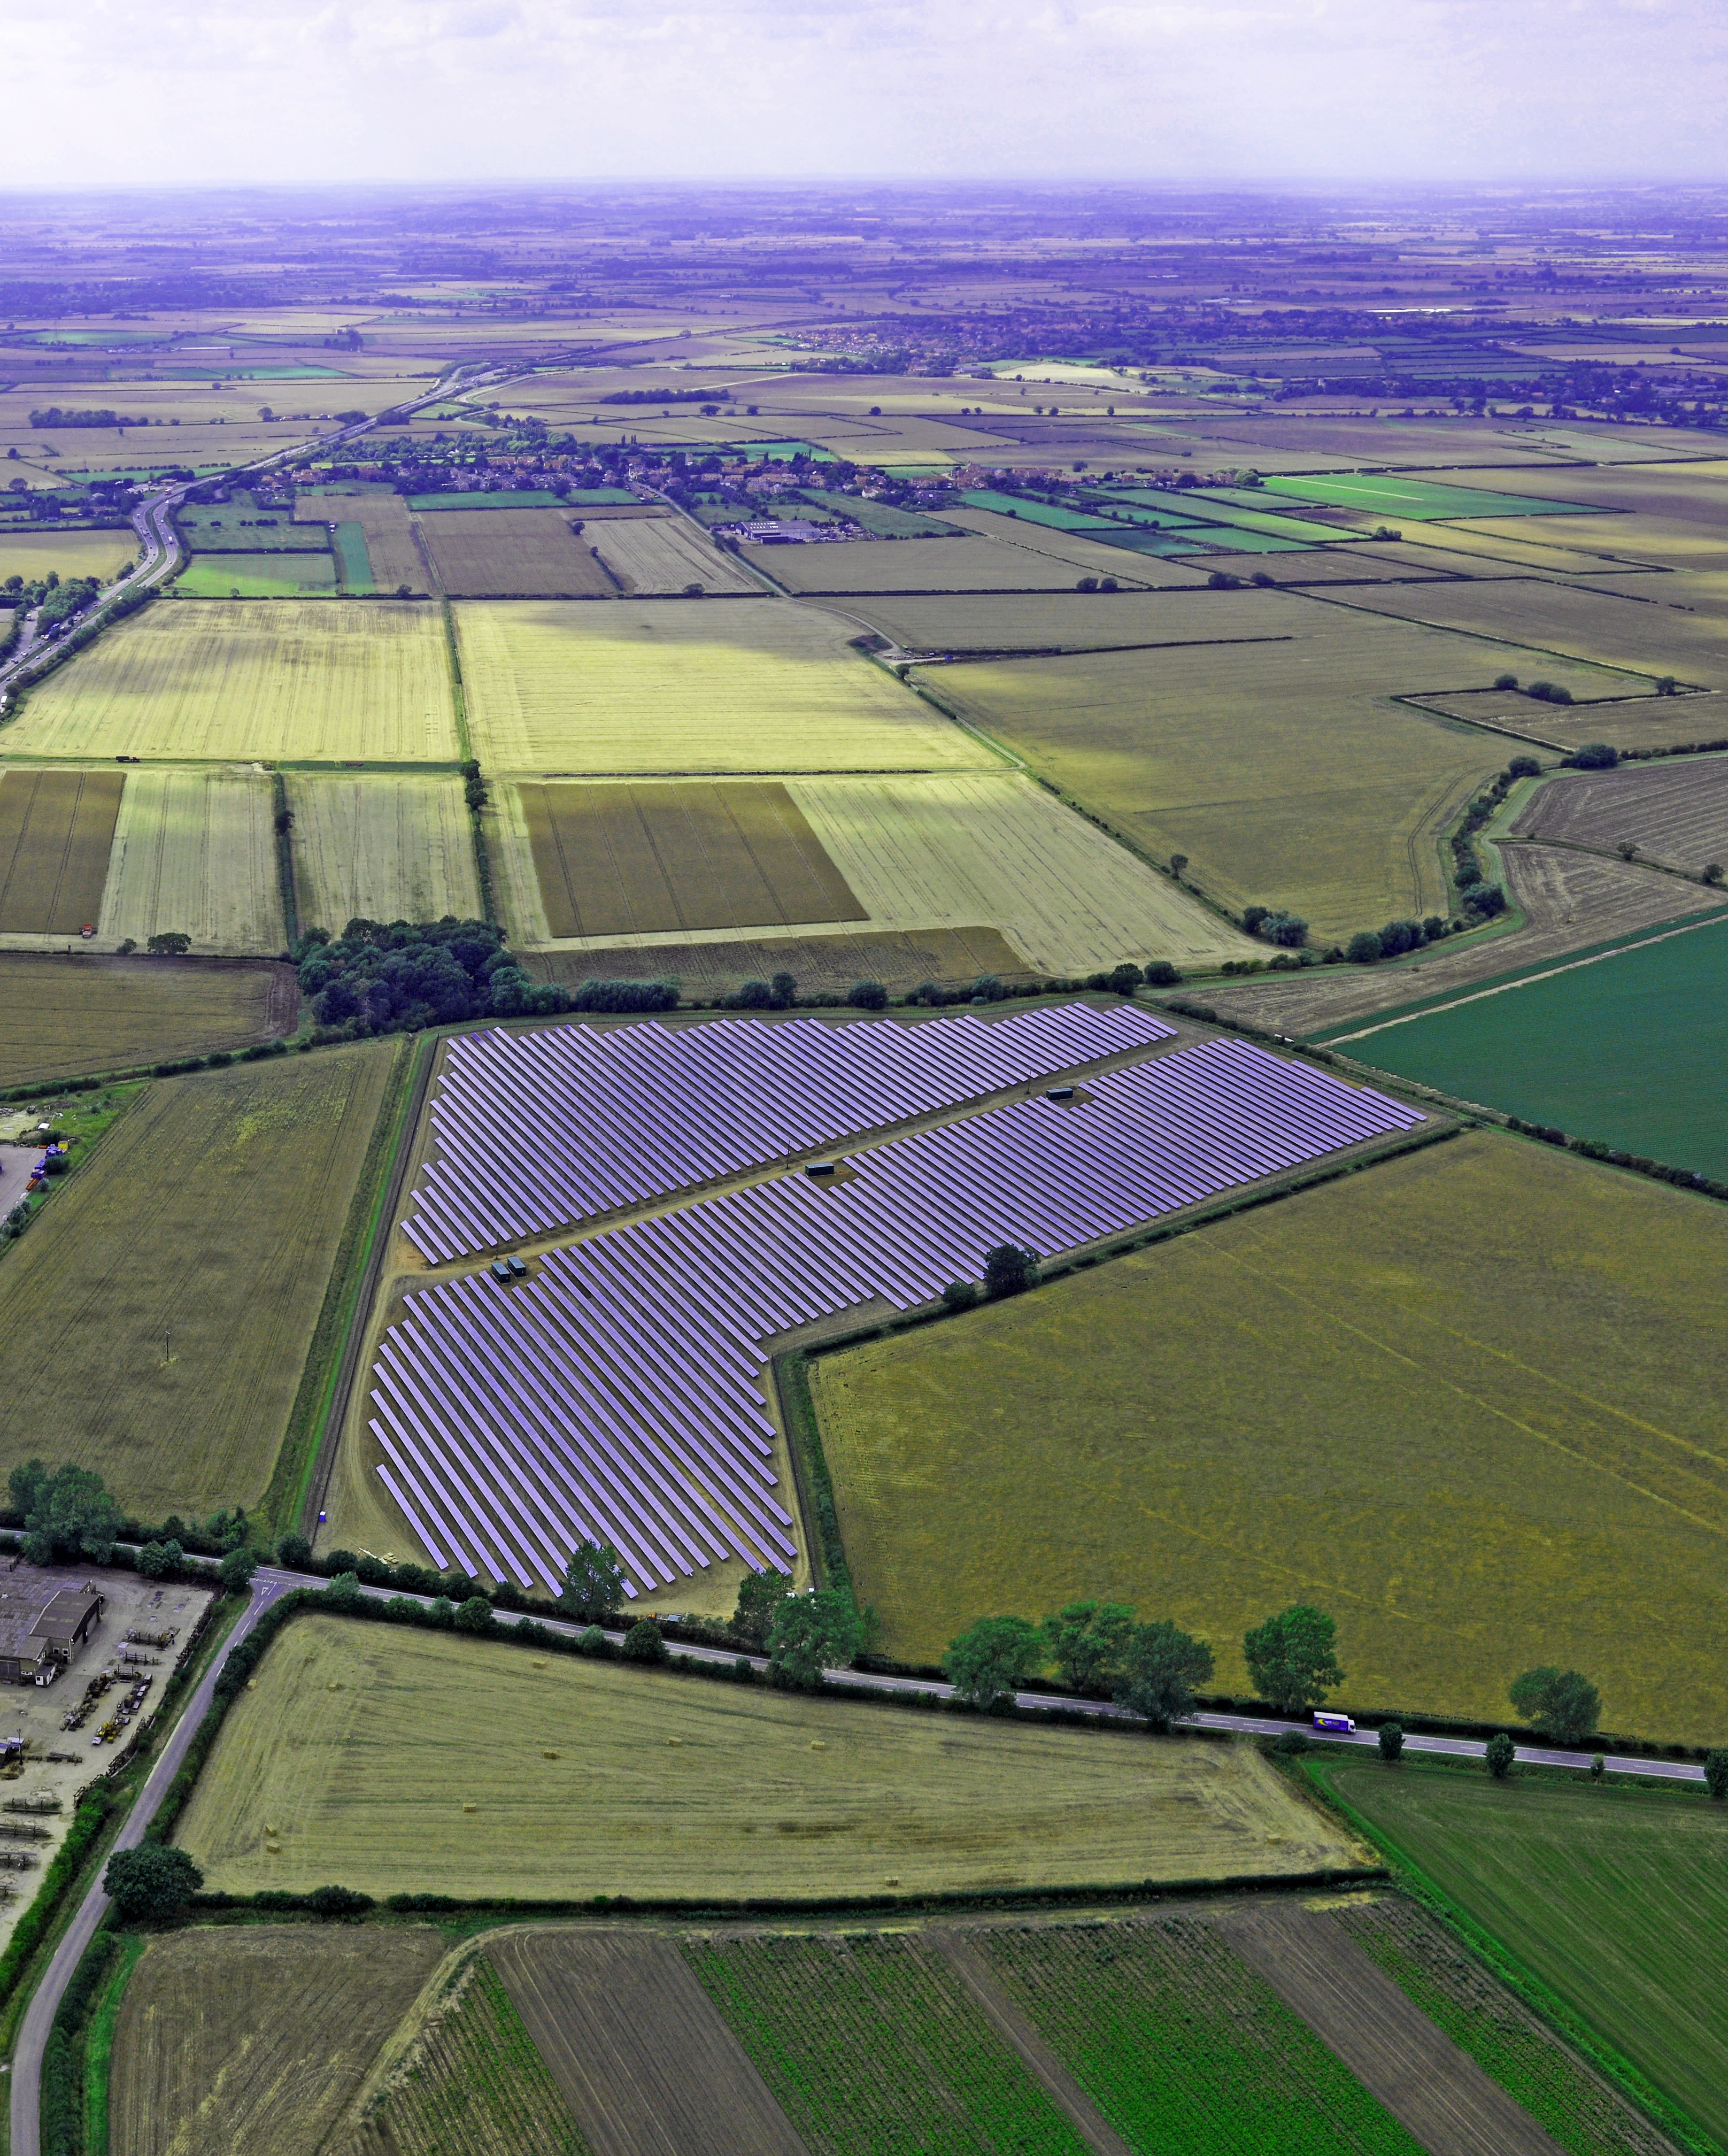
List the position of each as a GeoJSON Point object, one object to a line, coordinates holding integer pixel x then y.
{"type": "Point", "coordinates": [272, 1583]}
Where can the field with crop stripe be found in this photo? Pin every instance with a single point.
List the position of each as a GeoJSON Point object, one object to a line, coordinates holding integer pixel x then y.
{"type": "Point", "coordinates": [684, 686]}
{"type": "Point", "coordinates": [182, 1273]}
{"type": "Point", "coordinates": [56, 830]}
{"type": "Point", "coordinates": [195, 853]}
{"type": "Point", "coordinates": [967, 564]}
{"type": "Point", "coordinates": [663, 554]}
{"type": "Point", "coordinates": [68, 1015]}
{"type": "Point", "coordinates": [389, 531]}
{"type": "Point", "coordinates": [388, 846]}
{"type": "Point", "coordinates": [1676, 813]}
{"type": "Point", "coordinates": [271, 680]}
{"type": "Point", "coordinates": [32, 552]}
{"type": "Point", "coordinates": [588, 1777]}
{"type": "Point", "coordinates": [512, 554]}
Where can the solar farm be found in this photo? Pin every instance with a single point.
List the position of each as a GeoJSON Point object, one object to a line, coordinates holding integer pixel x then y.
{"type": "Point", "coordinates": [617, 1394]}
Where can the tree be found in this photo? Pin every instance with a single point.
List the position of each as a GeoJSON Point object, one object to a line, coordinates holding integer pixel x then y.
{"type": "Point", "coordinates": [152, 1884]}
{"type": "Point", "coordinates": [1559, 1703]}
{"type": "Point", "coordinates": [1178, 862]}
{"type": "Point", "coordinates": [170, 944]}
{"type": "Point", "coordinates": [593, 1582]}
{"type": "Point", "coordinates": [1714, 872]}
{"type": "Point", "coordinates": [1290, 1658]}
{"type": "Point", "coordinates": [1500, 1753]}
{"type": "Point", "coordinates": [67, 1513]}
{"type": "Point", "coordinates": [152, 1561]}
{"type": "Point", "coordinates": [867, 995]}
{"type": "Point", "coordinates": [1391, 1741]}
{"type": "Point", "coordinates": [1363, 948]}
{"type": "Point", "coordinates": [476, 1615]}
{"type": "Point", "coordinates": [343, 1592]}
{"type": "Point", "coordinates": [236, 1570]}
{"type": "Point", "coordinates": [783, 991]}
{"type": "Point", "coordinates": [1161, 1665]}
{"type": "Point", "coordinates": [1716, 1775]}
{"type": "Point", "coordinates": [644, 1642]}
{"type": "Point", "coordinates": [338, 1902]}
{"type": "Point", "coordinates": [1085, 1641]}
{"type": "Point", "coordinates": [991, 1660]}
{"type": "Point", "coordinates": [293, 1551]}
{"type": "Point", "coordinates": [1009, 1269]}
{"type": "Point", "coordinates": [1626, 848]}
{"type": "Point", "coordinates": [1505, 681]}
{"type": "Point", "coordinates": [812, 1633]}
{"type": "Point", "coordinates": [761, 1595]}
{"type": "Point", "coordinates": [960, 1294]}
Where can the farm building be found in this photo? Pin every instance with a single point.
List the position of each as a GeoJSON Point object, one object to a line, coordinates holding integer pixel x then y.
{"type": "Point", "coordinates": [44, 1619]}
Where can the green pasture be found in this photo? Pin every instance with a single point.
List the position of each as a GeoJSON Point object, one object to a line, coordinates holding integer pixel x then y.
{"type": "Point", "coordinates": [1627, 1047]}
{"type": "Point", "coordinates": [583, 497]}
{"type": "Point", "coordinates": [526, 498]}
{"type": "Point", "coordinates": [292, 576]}
{"type": "Point", "coordinates": [233, 527]}
{"type": "Point", "coordinates": [352, 559]}
{"type": "Point", "coordinates": [781, 452]}
{"type": "Point", "coordinates": [1033, 512]}
{"type": "Point", "coordinates": [1616, 1899]}
{"type": "Point", "coordinates": [882, 518]}
{"type": "Point", "coordinates": [1391, 494]}
{"type": "Point", "coordinates": [1227, 509]}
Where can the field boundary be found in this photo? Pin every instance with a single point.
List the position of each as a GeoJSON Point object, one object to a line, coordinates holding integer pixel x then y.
{"type": "Point", "coordinates": [353, 1288]}
{"type": "Point", "coordinates": [284, 856]}
{"type": "Point", "coordinates": [100, 2029]}
{"type": "Point", "coordinates": [1556, 2013]}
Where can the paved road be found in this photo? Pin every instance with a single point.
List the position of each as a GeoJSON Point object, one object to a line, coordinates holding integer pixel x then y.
{"type": "Point", "coordinates": [39, 2015]}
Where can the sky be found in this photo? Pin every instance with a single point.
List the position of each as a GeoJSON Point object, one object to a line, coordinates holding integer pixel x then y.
{"type": "Point", "coordinates": [196, 92]}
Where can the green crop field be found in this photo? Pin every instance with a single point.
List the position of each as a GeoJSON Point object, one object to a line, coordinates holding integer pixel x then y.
{"type": "Point", "coordinates": [300, 575]}
{"type": "Point", "coordinates": [1432, 1398]}
{"type": "Point", "coordinates": [1184, 2049]}
{"type": "Point", "coordinates": [1626, 1049]}
{"type": "Point", "coordinates": [239, 526]}
{"type": "Point", "coordinates": [180, 1276]}
{"type": "Point", "coordinates": [571, 1779]}
{"type": "Point", "coordinates": [348, 543]}
{"type": "Point", "coordinates": [1035, 512]}
{"type": "Point", "coordinates": [1615, 1899]}
{"type": "Point", "coordinates": [868, 2041]}
{"type": "Point", "coordinates": [1396, 494]}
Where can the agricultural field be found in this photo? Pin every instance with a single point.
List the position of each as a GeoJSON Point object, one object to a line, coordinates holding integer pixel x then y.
{"type": "Point", "coordinates": [1084, 556]}
{"type": "Point", "coordinates": [588, 1777]}
{"type": "Point", "coordinates": [56, 830]}
{"type": "Point", "coordinates": [684, 686]}
{"type": "Point", "coordinates": [652, 556]}
{"type": "Point", "coordinates": [231, 679]}
{"type": "Point", "coordinates": [1673, 813]}
{"type": "Point", "coordinates": [622, 860]}
{"type": "Point", "coordinates": [925, 565]}
{"type": "Point", "coordinates": [1181, 2046]}
{"type": "Point", "coordinates": [32, 552]}
{"type": "Point", "coordinates": [1489, 2024]}
{"type": "Point", "coordinates": [258, 2039]}
{"type": "Point", "coordinates": [512, 554]}
{"type": "Point", "coordinates": [284, 576]}
{"type": "Point", "coordinates": [239, 526]}
{"type": "Point", "coordinates": [465, 2079]}
{"type": "Point", "coordinates": [868, 2039]}
{"type": "Point", "coordinates": [65, 1016]}
{"type": "Point", "coordinates": [994, 847]}
{"type": "Point", "coordinates": [195, 852]}
{"type": "Point", "coordinates": [389, 531]}
{"type": "Point", "coordinates": [1430, 1397]}
{"type": "Point", "coordinates": [1071, 621]}
{"type": "Point", "coordinates": [1283, 772]}
{"type": "Point", "coordinates": [388, 846]}
{"type": "Point", "coordinates": [1406, 494]}
{"type": "Point", "coordinates": [1654, 1013]}
{"type": "Point", "coordinates": [719, 967]}
{"type": "Point", "coordinates": [180, 1348]}
{"type": "Point", "coordinates": [642, 2058]}
{"type": "Point", "coordinates": [1611, 1897]}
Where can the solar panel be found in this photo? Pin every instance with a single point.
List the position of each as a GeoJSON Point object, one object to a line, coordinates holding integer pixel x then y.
{"type": "Point", "coordinates": [619, 1395]}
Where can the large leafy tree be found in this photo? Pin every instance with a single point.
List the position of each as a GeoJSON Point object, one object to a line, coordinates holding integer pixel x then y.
{"type": "Point", "coordinates": [152, 1884]}
{"type": "Point", "coordinates": [68, 1512]}
{"type": "Point", "coordinates": [991, 1660]}
{"type": "Point", "coordinates": [761, 1595]}
{"type": "Point", "coordinates": [1085, 1641]}
{"type": "Point", "coordinates": [593, 1582]}
{"type": "Point", "coordinates": [1290, 1658]}
{"type": "Point", "coordinates": [812, 1633]}
{"type": "Point", "coordinates": [1161, 1667]}
{"type": "Point", "coordinates": [1558, 1703]}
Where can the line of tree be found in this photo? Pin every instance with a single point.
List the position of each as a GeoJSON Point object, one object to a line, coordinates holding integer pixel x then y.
{"type": "Point", "coordinates": [382, 976]}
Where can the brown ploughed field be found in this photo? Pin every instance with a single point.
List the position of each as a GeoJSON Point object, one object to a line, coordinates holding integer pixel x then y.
{"type": "Point", "coordinates": [1676, 813]}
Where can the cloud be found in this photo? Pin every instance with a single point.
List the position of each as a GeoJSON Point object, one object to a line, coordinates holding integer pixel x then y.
{"type": "Point", "coordinates": [213, 90]}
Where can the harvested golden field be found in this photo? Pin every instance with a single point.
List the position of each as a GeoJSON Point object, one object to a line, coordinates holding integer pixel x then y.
{"type": "Point", "coordinates": [275, 678]}
{"type": "Point", "coordinates": [1633, 626]}
{"type": "Point", "coordinates": [56, 830]}
{"type": "Point", "coordinates": [912, 565]}
{"type": "Point", "coordinates": [195, 852]}
{"type": "Point", "coordinates": [662, 1785]}
{"type": "Point", "coordinates": [679, 686]}
{"type": "Point", "coordinates": [1433, 1399]}
{"type": "Point", "coordinates": [717, 965]}
{"type": "Point", "coordinates": [1071, 620]}
{"type": "Point", "coordinates": [257, 2039]}
{"type": "Point", "coordinates": [1633, 722]}
{"type": "Point", "coordinates": [1283, 769]}
{"type": "Point", "coordinates": [60, 1017]}
{"type": "Point", "coordinates": [995, 847]}
{"type": "Point", "coordinates": [181, 1274]}
{"type": "Point", "coordinates": [621, 859]}
{"type": "Point", "coordinates": [666, 555]}
{"type": "Point", "coordinates": [389, 846]}
{"type": "Point", "coordinates": [32, 553]}
{"type": "Point", "coordinates": [1673, 813]}
{"type": "Point", "coordinates": [512, 554]}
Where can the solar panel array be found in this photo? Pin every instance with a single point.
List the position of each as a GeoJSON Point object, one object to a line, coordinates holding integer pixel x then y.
{"type": "Point", "coordinates": [618, 1395]}
{"type": "Point", "coordinates": [537, 1130]}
